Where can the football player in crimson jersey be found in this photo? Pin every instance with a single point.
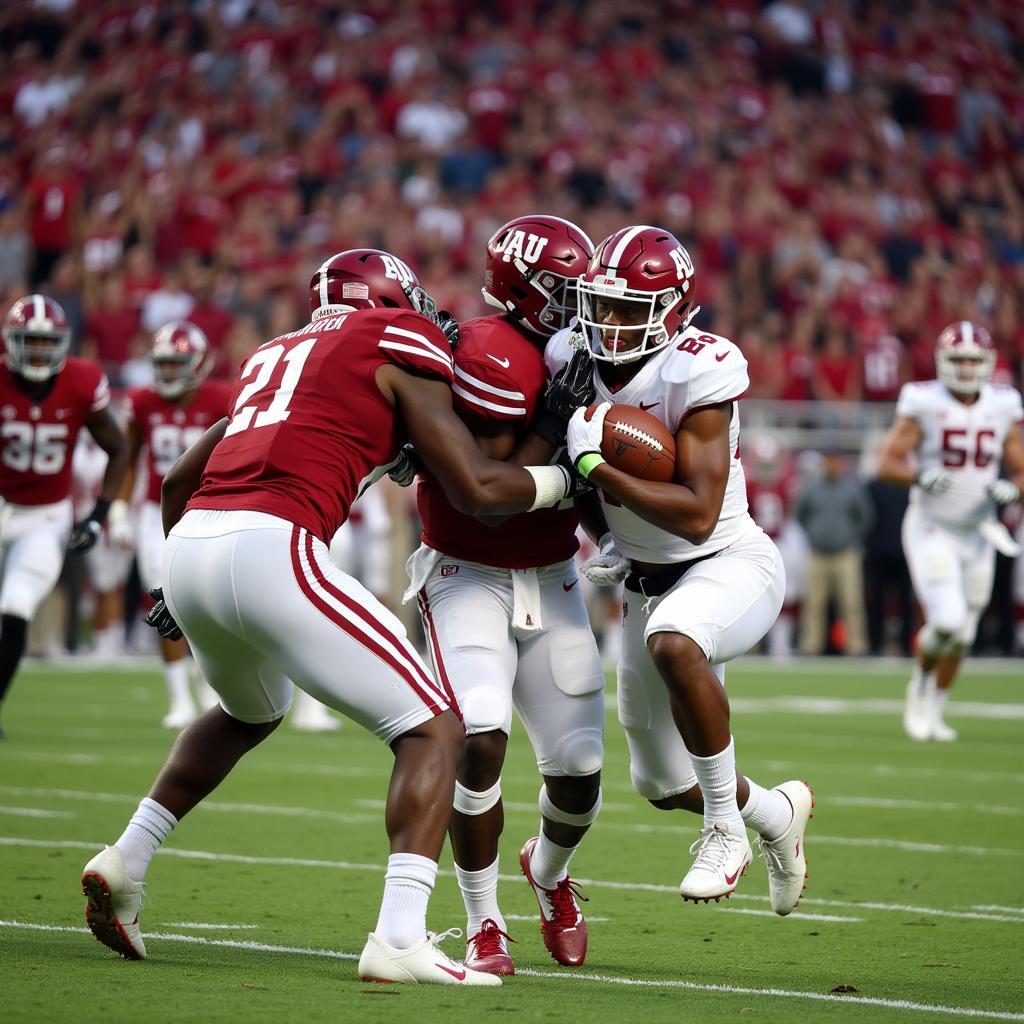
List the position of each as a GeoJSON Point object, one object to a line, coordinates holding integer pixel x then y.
{"type": "Point", "coordinates": [165, 419]}
{"type": "Point", "coordinates": [705, 583]}
{"type": "Point", "coordinates": [46, 397]}
{"type": "Point", "coordinates": [249, 510]}
{"type": "Point", "coordinates": [506, 623]}
{"type": "Point", "coordinates": [946, 445]}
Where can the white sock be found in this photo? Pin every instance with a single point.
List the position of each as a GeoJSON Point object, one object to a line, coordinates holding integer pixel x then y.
{"type": "Point", "coordinates": [176, 674]}
{"type": "Point", "coordinates": [941, 696]}
{"type": "Point", "coordinates": [717, 778]}
{"type": "Point", "coordinates": [403, 910]}
{"type": "Point", "coordinates": [767, 811]}
{"type": "Point", "coordinates": [480, 894]}
{"type": "Point", "coordinates": [549, 863]}
{"type": "Point", "coordinates": [149, 826]}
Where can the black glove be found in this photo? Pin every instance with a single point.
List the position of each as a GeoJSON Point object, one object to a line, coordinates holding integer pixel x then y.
{"type": "Point", "coordinates": [87, 532]}
{"type": "Point", "coordinates": [580, 484]}
{"type": "Point", "coordinates": [449, 326]}
{"type": "Point", "coordinates": [160, 618]}
{"type": "Point", "coordinates": [570, 388]}
{"type": "Point", "coordinates": [404, 471]}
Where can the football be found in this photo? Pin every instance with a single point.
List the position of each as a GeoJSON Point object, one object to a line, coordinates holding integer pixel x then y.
{"type": "Point", "coordinates": [638, 443]}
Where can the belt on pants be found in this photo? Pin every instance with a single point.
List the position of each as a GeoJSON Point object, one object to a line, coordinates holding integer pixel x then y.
{"type": "Point", "coordinates": [660, 583]}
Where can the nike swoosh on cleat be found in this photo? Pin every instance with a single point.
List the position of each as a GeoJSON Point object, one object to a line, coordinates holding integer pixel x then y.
{"type": "Point", "coordinates": [718, 359]}
{"type": "Point", "coordinates": [501, 362]}
{"type": "Point", "coordinates": [568, 586]}
{"type": "Point", "coordinates": [457, 975]}
{"type": "Point", "coordinates": [731, 879]}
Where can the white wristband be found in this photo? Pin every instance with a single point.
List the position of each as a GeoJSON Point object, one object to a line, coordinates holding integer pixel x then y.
{"type": "Point", "coordinates": [552, 483]}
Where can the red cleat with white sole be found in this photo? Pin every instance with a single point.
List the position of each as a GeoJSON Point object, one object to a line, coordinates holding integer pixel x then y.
{"type": "Point", "coordinates": [785, 857]}
{"type": "Point", "coordinates": [562, 925]}
{"type": "Point", "coordinates": [487, 950]}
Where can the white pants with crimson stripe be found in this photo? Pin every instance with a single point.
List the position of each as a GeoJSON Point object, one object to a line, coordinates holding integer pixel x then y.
{"type": "Point", "coordinates": [261, 605]}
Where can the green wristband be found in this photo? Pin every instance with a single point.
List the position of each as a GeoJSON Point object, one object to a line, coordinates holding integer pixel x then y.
{"type": "Point", "coordinates": [588, 463]}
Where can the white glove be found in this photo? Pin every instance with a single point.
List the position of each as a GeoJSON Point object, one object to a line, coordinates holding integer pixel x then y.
{"type": "Point", "coordinates": [609, 567]}
{"type": "Point", "coordinates": [119, 526]}
{"type": "Point", "coordinates": [1003, 492]}
{"type": "Point", "coordinates": [934, 481]}
{"type": "Point", "coordinates": [583, 438]}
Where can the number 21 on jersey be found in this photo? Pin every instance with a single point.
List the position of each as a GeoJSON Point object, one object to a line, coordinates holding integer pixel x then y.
{"type": "Point", "coordinates": [251, 410]}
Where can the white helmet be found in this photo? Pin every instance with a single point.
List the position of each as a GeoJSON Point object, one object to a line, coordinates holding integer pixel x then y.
{"type": "Point", "coordinates": [965, 357]}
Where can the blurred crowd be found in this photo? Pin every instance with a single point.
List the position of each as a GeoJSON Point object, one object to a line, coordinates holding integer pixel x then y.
{"type": "Point", "coordinates": [847, 175]}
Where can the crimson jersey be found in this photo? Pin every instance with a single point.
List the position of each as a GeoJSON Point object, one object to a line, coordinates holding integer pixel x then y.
{"type": "Point", "coordinates": [168, 427]}
{"type": "Point", "coordinates": [770, 504]}
{"type": "Point", "coordinates": [499, 378]}
{"type": "Point", "coordinates": [308, 423]}
{"type": "Point", "coordinates": [38, 435]}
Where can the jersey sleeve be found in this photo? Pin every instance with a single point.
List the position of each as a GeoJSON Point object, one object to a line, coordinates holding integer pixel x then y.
{"type": "Point", "coordinates": [414, 343]}
{"type": "Point", "coordinates": [557, 352]}
{"type": "Point", "coordinates": [100, 391]}
{"type": "Point", "coordinates": [912, 403]}
{"type": "Point", "coordinates": [711, 375]}
{"type": "Point", "coordinates": [489, 376]}
{"type": "Point", "coordinates": [1014, 406]}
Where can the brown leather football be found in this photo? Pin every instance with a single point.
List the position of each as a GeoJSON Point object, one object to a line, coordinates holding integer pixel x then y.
{"type": "Point", "coordinates": [638, 443]}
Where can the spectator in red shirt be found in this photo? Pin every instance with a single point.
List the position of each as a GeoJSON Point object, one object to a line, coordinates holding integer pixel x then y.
{"type": "Point", "coordinates": [799, 360]}
{"type": "Point", "coordinates": [111, 327]}
{"type": "Point", "coordinates": [54, 198]}
{"type": "Point", "coordinates": [835, 377]}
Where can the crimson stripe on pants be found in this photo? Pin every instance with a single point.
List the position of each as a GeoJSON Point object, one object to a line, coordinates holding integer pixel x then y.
{"type": "Point", "coordinates": [352, 630]}
{"type": "Point", "coordinates": [428, 622]}
{"type": "Point", "coordinates": [356, 608]}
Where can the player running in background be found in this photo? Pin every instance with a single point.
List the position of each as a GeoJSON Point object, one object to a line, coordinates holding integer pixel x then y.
{"type": "Point", "coordinates": [946, 445]}
{"type": "Point", "coordinates": [165, 419]}
{"type": "Point", "coordinates": [705, 583]}
{"type": "Point", "coordinates": [505, 620]}
{"type": "Point", "coordinates": [316, 414]}
{"type": "Point", "coordinates": [46, 397]}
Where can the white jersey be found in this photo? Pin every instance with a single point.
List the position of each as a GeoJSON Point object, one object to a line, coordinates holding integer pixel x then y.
{"type": "Point", "coordinates": [694, 371]}
{"type": "Point", "coordinates": [965, 440]}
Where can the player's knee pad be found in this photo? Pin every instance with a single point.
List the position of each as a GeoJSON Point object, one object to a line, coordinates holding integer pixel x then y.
{"type": "Point", "coordinates": [485, 708]}
{"type": "Point", "coordinates": [554, 813]}
{"type": "Point", "coordinates": [473, 803]}
{"type": "Point", "coordinates": [580, 752]}
{"type": "Point", "coordinates": [933, 641]}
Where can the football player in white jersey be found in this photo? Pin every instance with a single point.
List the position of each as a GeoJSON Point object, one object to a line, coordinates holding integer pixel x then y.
{"type": "Point", "coordinates": [703, 582]}
{"type": "Point", "coordinates": [946, 445]}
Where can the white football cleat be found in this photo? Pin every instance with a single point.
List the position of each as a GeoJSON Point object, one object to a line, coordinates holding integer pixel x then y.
{"type": "Point", "coordinates": [785, 857]}
{"type": "Point", "coordinates": [919, 711]}
{"type": "Point", "coordinates": [723, 853]}
{"type": "Point", "coordinates": [180, 715]}
{"type": "Point", "coordinates": [113, 901]}
{"type": "Point", "coordinates": [422, 964]}
{"type": "Point", "coordinates": [942, 731]}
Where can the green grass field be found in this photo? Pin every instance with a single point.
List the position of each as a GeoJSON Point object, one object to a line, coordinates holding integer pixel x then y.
{"type": "Point", "coordinates": [260, 901]}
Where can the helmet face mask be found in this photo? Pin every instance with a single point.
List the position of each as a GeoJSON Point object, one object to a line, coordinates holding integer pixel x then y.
{"type": "Point", "coordinates": [367, 279]}
{"type": "Point", "coordinates": [531, 271]}
{"type": "Point", "coordinates": [636, 294]}
{"type": "Point", "coordinates": [178, 355]}
{"type": "Point", "coordinates": [965, 357]}
{"type": "Point", "coordinates": [36, 338]}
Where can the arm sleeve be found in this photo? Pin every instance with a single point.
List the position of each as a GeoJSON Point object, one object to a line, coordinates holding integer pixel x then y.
{"type": "Point", "coordinates": [412, 342]}
{"type": "Point", "coordinates": [717, 374]}
{"type": "Point", "coordinates": [487, 392]}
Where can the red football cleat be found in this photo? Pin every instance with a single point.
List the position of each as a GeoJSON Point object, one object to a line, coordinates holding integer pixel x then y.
{"type": "Point", "coordinates": [562, 925]}
{"type": "Point", "coordinates": [487, 951]}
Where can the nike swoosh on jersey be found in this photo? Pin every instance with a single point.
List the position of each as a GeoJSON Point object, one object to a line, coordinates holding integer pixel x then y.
{"type": "Point", "coordinates": [719, 358]}
{"type": "Point", "coordinates": [501, 362]}
{"type": "Point", "coordinates": [646, 407]}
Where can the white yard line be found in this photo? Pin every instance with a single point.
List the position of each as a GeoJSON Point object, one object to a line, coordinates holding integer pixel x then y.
{"type": "Point", "coordinates": [573, 976]}
{"type": "Point", "coordinates": [866, 706]}
{"type": "Point", "coordinates": [207, 926]}
{"type": "Point", "coordinates": [35, 812]}
{"type": "Point", "coordinates": [999, 909]}
{"type": "Point", "coordinates": [933, 806]}
{"type": "Point", "coordinates": [625, 886]}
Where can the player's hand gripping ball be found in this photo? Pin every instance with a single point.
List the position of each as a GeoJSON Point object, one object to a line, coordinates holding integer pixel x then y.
{"type": "Point", "coordinates": [638, 443]}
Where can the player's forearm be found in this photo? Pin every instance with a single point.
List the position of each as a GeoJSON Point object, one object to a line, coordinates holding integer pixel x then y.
{"type": "Point", "coordinates": [533, 450]}
{"type": "Point", "coordinates": [592, 516]}
{"type": "Point", "coordinates": [183, 478]}
{"type": "Point", "coordinates": [114, 474]}
{"type": "Point", "coordinates": [670, 506]}
{"type": "Point", "coordinates": [896, 471]}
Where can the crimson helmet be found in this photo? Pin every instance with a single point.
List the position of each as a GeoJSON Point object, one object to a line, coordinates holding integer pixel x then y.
{"type": "Point", "coordinates": [178, 355]}
{"type": "Point", "coordinates": [36, 338]}
{"type": "Point", "coordinates": [965, 357]}
{"type": "Point", "coordinates": [532, 266]}
{"type": "Point", "coordinates": [366, 279]}
{"type": "Point", "coordinates": [649, 267]}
